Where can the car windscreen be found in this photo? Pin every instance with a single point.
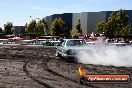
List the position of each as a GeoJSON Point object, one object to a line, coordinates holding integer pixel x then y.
{"type": "Point", "coordinates": [75, 42]}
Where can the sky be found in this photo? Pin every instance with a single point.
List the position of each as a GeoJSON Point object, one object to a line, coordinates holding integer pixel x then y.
{"type": "Point", "coordinates": [19, 11]}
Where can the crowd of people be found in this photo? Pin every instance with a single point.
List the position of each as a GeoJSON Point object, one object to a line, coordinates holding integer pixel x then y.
{"type": "Point", "coordinates": [99, 37]}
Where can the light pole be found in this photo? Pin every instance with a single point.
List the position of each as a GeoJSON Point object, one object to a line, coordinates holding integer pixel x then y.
{"type": "Point", "coordinates": [35, 18]}
{"type": "Point", "coordinates": [31, 17]}
{"type": "Point", "coordinates": [39, 19]}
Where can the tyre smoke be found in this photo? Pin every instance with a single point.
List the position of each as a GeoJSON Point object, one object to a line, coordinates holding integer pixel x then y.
{"type": "Point", "coordinates": [106, 55]}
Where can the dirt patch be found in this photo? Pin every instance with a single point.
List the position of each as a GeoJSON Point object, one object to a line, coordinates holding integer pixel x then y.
{"type": "Point", "coordinates": [37, 67]}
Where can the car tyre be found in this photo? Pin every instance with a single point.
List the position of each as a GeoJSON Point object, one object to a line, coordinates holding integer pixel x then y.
{"type": "Point", "coordinates": [57, 54]}
{"type": "Point", "coordinates": [81, 80]}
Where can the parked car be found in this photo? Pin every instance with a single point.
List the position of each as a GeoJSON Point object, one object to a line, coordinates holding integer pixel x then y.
{"type": "Point", "coordinates": [48, 43]}
{"type": "Point", "coordinates": [68, 48]}
{"type": "Point", "coordinates": [4, 41]}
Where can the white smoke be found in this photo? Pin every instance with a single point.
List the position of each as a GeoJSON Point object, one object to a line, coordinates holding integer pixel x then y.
{"type": "Point", "coordinates": [106, 55]}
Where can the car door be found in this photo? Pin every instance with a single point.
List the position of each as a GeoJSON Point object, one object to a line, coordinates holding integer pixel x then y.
{"type": "Point", "coordinates": [61, 47]}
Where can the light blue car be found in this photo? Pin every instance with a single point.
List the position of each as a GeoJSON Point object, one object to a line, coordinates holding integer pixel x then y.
{"type": "Point", "coordinates": [68, 48]}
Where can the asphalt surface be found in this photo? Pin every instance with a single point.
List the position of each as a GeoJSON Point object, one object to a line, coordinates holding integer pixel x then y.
{"type": "Point", "coordinates": [37, 67]}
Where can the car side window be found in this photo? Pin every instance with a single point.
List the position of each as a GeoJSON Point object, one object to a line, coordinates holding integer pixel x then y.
{"type": "Point", "coordinates": [70, 43]}
{"type": "Point", "coordinates": [63, 44]}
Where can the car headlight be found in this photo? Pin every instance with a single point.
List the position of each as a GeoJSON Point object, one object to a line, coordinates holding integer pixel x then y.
{"type": "Point", "coordinates": [69, 52]}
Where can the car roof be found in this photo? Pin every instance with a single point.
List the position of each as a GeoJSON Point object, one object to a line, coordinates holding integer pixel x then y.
{"type": "Point", "coordinates": [72, 39]}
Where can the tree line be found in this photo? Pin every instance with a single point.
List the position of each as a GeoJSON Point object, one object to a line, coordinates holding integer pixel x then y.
{"type": "Point", "coordinates": [56, 28]}
{"type": "Point", "coordinates": [38, 28]}
{"type": "Point", "coordinates": [117, 25]}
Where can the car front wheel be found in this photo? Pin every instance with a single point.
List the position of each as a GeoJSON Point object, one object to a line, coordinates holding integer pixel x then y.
{"type": "Point", "coordinates": [57, 54]}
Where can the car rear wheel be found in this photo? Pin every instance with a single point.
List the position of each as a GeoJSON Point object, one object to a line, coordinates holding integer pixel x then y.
{"type": "Point", "coordinates": [57, 54]}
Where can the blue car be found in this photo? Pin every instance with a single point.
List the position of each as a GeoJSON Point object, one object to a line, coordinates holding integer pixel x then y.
{"type": "Point", "coordinates": [68, 48]}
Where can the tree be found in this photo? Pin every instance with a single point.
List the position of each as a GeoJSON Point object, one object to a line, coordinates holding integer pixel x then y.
{"type": "Point", "coordinates": [1, 30]}
{"type": "Point", "coordinates": [117, 25]}
{"type": "Point", "coordinates": [46, 27]}
{"type": "Point", "coordinates": [110, 26]}
{"type": "Point", "coordinates": [74, 32]}
{"type": "Point", "coordinates": [7, 28]}
{"type": "Point", "coordinates": [34, 29]}
{"type": "Point", "coordinates": [39, 29]}
{"type": "Point", "coordinates": [30, 28]}
{"type": "Point", "coordinates": [123, 26]}
{"type": "Point", "coordinates": [78, 26]}
{"type": "Point", "coordinates": [58, 27]}
{"type": "Point", "coordinates": [77, 30]}
{"type": "Point", "coordinates": [53, 29]}
{"type": "Point", "coordinates": [100, 26]}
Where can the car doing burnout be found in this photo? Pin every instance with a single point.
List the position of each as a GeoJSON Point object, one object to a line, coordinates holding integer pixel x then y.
{"type": "Point", "coordinates": [68, 48]}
